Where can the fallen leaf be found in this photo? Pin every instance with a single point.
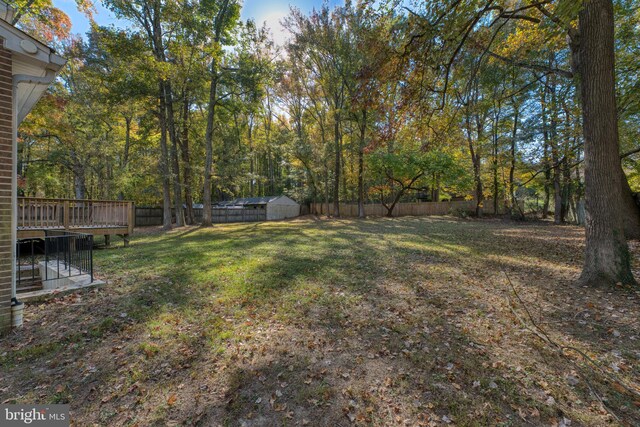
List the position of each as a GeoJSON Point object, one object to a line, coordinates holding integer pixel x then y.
{"type": "Point", "coordinates": [172, 400]}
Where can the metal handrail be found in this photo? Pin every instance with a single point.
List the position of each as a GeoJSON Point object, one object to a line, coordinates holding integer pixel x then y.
{"type": "Point", "coordinates": [71, 253]}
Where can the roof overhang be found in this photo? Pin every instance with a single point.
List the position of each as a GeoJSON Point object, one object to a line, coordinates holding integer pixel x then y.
{"type": "Point", "coordinates": [6, 12]}
{"type": "Point", "coordinates": [34, 64]}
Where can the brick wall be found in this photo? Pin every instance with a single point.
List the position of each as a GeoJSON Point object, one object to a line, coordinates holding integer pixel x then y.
{"type": "Point", "coordinates": [6, 175]}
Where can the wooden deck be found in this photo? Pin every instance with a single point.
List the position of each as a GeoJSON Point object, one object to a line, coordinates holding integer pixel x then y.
{"type": "Point", "coordinates": [96, 217]}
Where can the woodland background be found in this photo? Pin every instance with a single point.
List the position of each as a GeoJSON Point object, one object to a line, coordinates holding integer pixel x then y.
{"type": "Point", "coordinates": [365, 103]}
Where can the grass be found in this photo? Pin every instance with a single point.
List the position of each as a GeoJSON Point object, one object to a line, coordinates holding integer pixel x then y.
{"type": "Point", "coordinates": [366, 322]}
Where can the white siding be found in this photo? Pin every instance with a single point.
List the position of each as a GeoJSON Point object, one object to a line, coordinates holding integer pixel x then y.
{"type": "Point", "coordinates": [275, 211]}
{"type": "Point", "coordinates": [282, 208]}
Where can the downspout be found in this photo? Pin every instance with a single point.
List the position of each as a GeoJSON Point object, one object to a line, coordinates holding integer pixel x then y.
{"type": "Point", "coordinates": [18, 79]}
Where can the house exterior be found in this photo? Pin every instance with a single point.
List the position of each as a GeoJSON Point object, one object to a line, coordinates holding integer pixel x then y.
{"type": "Point", "coordinates": [27, 67]}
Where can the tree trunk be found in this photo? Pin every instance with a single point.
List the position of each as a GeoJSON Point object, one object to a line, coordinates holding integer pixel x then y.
{"type": "Point", "coordinates": [630, 210]}
{"type": "Point", "coordinates": [553, 143]}
{"type": "Point", "coordinates": [495, 164]}
{"type": "Point", "coordinates": [252, 180]}
{"type": "Point", "coordinates": [186, 160]}
{"type": "Point", "coordinates": [326, 185]}
{"type": "Point", "coordinates": [338, 162]}
{"type": "Point", "coordinates": [164, 164]}
{"type": "Point", "coordinates": [566, 188]}
{"type": "Point", "coordinates": [208, 139]}
{"type": "Point", "coordinates": [475, 160]}
{"type": "Point", "coordinates": [155, 34]}
{"type": "Point", "coordinates": [607, 259]}
{"type": "Point", "coordinates": [79, 182]}
{"type": "Point", "coordinates": [393, 204]}
{"type": "Point", "coordinates": [436, 187]}
{"type": "Point", "coordinates": [211, 114]}
{"type": "Point", "coordinates": [514, 134]}
{"type": "Point", "coordinates": [175, 161]}
{"type": "Point", "coordinates": [546, 162]}
{"type": "Point", "coordinates": [557, 190]}
{"type": "Point", "coordinates": [363, 128]}
{"type": "Point", "coordinates": [496, 195]}
{"type": "Point", "coordinates": [127, 141]}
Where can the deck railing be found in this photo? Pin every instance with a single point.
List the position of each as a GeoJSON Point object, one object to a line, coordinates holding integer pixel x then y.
{"type": "Point", "coordinates": [68, 214]}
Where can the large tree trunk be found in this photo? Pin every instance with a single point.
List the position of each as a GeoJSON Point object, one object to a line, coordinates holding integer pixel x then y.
{"type": "Point", "coordinates": [607, 259]}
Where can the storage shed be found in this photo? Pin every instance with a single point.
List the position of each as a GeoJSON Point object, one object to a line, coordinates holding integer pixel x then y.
{"type": "Point", "coordinates": [268, 208]}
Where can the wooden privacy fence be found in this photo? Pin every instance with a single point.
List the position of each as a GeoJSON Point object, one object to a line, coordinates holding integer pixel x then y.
{"type": "Point", "coordinates": [406, 209]}
{"type": "Point", "coordinates": [69, 214]}
{"type": "Point", "coordinates": [146, 216]}
{"type": "Point", "coordinates": [238, 215]}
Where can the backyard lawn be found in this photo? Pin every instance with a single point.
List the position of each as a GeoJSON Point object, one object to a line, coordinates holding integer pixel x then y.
{"type": "Point", "coordinates": [409, 321]}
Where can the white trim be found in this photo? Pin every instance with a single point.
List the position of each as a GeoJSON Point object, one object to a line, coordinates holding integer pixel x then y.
{"type": "Point", "coordinates": [23, 78]}
{"type": "Point", "coordinates": [12, 38]}
{"type": "Point", "coordinates": [6, 12]}
{"type": "Point", "coordinates": [34, 96]}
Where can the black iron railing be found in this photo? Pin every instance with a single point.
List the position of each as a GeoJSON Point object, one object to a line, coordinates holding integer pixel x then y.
{"type": "Point", "coordinates": [61, 253]}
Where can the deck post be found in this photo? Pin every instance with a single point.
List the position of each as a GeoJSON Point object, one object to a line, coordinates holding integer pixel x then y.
{"type": "Point", "coordinates": [131, 217]}
{"type": "Point", "coordinates": [131, 222]}
{"type": "Point", "coordinates": [65, 215]}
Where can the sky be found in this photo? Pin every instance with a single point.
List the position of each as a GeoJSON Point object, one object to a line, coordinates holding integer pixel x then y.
{"type": "Point", "coordinates": [269, 11]}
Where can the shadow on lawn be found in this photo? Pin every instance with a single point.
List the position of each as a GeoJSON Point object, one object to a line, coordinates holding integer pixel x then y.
{"type": "Point", "coordinates": [192, 299]}
{"type": "Point", "coordinates": [434, 384]}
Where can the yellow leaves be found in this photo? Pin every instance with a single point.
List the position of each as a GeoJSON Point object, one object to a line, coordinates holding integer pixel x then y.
{"type": "Point", "coordinates": [527, 39]}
